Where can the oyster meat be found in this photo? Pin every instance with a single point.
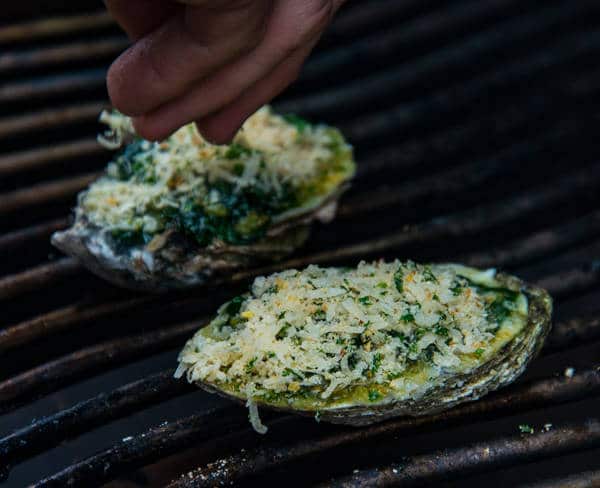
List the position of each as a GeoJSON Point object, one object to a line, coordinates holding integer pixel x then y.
{"type": "Point", "coordinates": [359, 345]}
{"type": "Point", "coordinates": [172, 214]}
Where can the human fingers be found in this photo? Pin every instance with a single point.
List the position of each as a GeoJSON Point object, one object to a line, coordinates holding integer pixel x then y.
{"type": "Point", "coordinates": [292, 27]}
{"type": "Point", "coordinates": [221, 126]}
{"type": "Point", "coordinates": [188, 46]}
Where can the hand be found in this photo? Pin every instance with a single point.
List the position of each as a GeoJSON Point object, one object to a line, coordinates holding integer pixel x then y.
{"type": "Point", "coordinates": [214, 62]}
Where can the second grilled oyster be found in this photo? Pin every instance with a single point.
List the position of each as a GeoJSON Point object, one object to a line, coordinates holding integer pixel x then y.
{"type": "Point", "coordinates": [357, 346]}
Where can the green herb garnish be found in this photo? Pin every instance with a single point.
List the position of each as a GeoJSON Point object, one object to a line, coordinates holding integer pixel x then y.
{"type": "Point", "coordinates": [250, 365]}
{"type": "Point", "coordinates": [399, 280]}
{"type": "Point", "coordinates": [235, 151]}
{"type": "Point", "coordinates": [291, 372]}
{"type": "Point", "coordinates": [441, 330]}
{"type": "Point", "coordinates": [374, 395]}
{"type": "Point", "coordinates": [234, 305]}
{"type": "Point", "coordinates": [526, 429]}
{"type": "Point", "coordinates": [428, 275]}
{"type": "Point", "coordinates": [319, 315]}
{"type": "Point", "coordinates": [297, 122]}
{"type": "Point", "coordinates": [376, 363]}
{"type": "Point", "coordinates": [282, 333]}
{"type": "Point", "coordinates": [407, 317]}
{"type": "Point", "coordinates": [272, 289]}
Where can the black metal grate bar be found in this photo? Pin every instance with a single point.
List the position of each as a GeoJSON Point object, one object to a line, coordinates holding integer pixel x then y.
{"type": "Point", "coordinates": [154, 444]}
{"type": "Point", "coordinates": [529, 396]}
{"type": "Point", "coordinates": [73, 52]}
{"type": "Point", "coordinates": [496, 453]}
{"type": "Point", "coordinates": [48, 119]}
{"type": "Point", "coordinates": [44, 192]}
{"type": "Point", "coordinates": [37, 277]}
{"type": "Point", "coordinates": [87, 415]}
{"type": "Point", "coordinates": [38, 158]}
{"type": "Point", "coordinates": [405, 42]}
{"type": "Point", "coordinates": [58, 26]}
{"type": "Point", "coordinates": [17, 238]}
{"type": "Point", "coordinates": [52, 86]}
{"type": "Point", "coordinates": [67, 369]}
{"type": "Point", "coordinates": [404, 79]}
{"type": "Point", "coordinates": [69, 317]}
{"type": "Point", "coordinates": [587, 479]}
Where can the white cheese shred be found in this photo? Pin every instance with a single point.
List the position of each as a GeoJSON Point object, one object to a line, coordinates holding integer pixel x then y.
{"type": "Point", "coordinates": [254, 418]}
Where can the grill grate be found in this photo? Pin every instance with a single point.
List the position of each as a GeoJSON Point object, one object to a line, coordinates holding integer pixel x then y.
{"type": "Point", "coordinates": [474, 126]}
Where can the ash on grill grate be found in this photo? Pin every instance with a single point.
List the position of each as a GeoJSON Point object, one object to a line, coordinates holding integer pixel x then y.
{"type": "Point", "coordinates": [475, 129]}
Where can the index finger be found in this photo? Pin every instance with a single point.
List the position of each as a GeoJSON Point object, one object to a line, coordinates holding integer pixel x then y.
{"type": "Point", "coordinates": [188, 46]}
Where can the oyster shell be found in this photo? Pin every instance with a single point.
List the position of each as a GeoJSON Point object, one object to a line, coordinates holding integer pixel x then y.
{"type": "Point", "coordinates": [379, 341]}
{"type": "Point", "coordinates": [176, 213]}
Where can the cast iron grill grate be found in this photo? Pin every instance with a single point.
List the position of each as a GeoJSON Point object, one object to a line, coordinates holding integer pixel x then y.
{"type": "Point", "coordinates": [475, 130]}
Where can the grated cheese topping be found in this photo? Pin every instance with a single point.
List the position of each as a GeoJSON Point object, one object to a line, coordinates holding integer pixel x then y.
{"type": "Point", "coordinates": [275, 163]}
{"type": "Point", "coordinates": [333, 336]}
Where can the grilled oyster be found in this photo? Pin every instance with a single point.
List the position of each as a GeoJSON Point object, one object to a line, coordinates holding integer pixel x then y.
{"type": "Point", "coordinates": [357, 346]}
{"type": "Point", "coordinates": [172, 214]}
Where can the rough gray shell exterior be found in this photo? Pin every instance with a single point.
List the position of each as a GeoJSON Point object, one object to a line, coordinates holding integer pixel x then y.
{"type": "Point", "coordinates": [510, 362]}
{"type": "Point", "coordinates": [178, 263]}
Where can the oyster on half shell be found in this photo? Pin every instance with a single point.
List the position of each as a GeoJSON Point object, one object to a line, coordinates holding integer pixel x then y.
{"type": "Point", "coordinates": [359, 345]}
{"type": "Point", "coordinates": [172, 214]}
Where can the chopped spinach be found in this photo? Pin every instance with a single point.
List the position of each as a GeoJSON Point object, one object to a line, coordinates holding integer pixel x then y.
{"type": "Point", "coordinates": [126, 239]}
{"type": "Point", "coordinates": [132, 162]}
{"type": "Point", "coordinates": [376, 363]}
{"type": "Point", "coordinates": [353, 360]}
{"type": "Point", "coordinates": [456, 289]}
{"type": "Point", "coordinates": [250, 365]}
{"type": "Point", "coordinates": [427, 353]}
{"type": "Point", "coordinates": [441, 330]}
{"type": "Point", "coordinates": [273, 289]}
{"type": "Point", "coordinates": [235, 150]}
{"type": "Point", "coordinates": [319, 315]}
{"type": "Point", "coordinates": [297, 122]}
{"type": "Point", "coordinates": [291, 372]}
{"type": "Point", "coordinates": [398, 335]}
{"type": "Point", "coordinates": [501, 305]}
{"type": "Point", "coordinates": [282, 333]}
{"type": "Point", "coordinates": [234, 305]}
{"type": "Point", "coordinates": [526, 429]}
{"type": "Point", "coordinates": [428, 275]}
{"type": "Point", "coordinates": [399, 279]}
{"type": "Point", "coordinates": [407, 317]}
{"type": "Point", "coordinates": [374, 395]}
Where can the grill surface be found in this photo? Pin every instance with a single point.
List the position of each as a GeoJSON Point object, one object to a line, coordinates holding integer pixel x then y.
{"type": "Point", "coordinates": [474, 124]}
